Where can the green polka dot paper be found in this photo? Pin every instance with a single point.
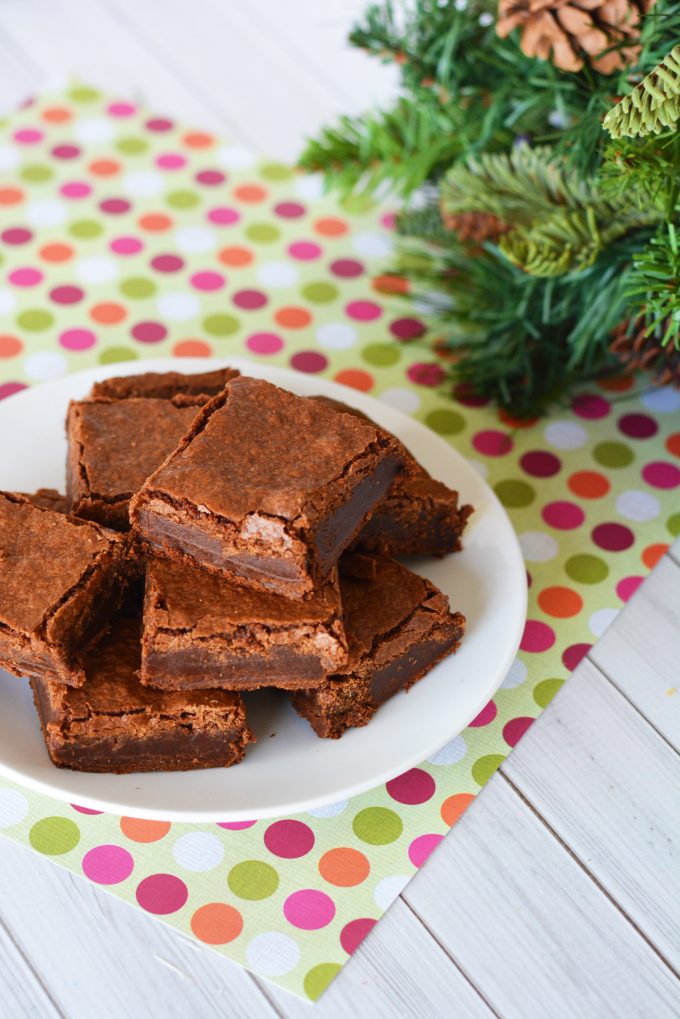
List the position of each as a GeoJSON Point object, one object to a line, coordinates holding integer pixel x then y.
{"type": "Point", "coordinates": [125, 235]}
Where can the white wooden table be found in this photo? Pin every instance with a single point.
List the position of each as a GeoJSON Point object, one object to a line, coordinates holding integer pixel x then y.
{"type": "Point", "coordinates": [563, 881]}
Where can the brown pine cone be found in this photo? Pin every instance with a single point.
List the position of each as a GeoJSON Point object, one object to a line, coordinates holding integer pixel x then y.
{"type": "Point", "coordinates": [474, 227]}
{"type": "Point", "coordinates": [638, 352]}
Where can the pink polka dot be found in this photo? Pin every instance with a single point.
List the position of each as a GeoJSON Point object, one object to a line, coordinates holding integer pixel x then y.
{"type": "Point", "coordinates": [161, 894]}
{"type": "Point", "coordinates": [485, 716]}
{"type": "Point", "coordinates": [346, 267]}
{"type": "Point", "coordinates": [363, 311]}
{"type": "Point", "coordinates": [121, 109]}
{"type": "Point", "coordinates": [515, 729]}
{"type": "Point", "coordinates": [25, 277]}
{"type": "Point", "coordinates": [309, 909]}
{"type": "Point", "coordinates": [304, 251]}
{"type": "Point", "coordinates": [115, 206]}
{"type": "Point", "coordinates": [75, 189]}
{"type": "Point", "coordinates": [16, 235]}
{"type": "Point", "coordinates": [661, 474]}
{"type": "Point", "coordinates": [167, 263]}
{"type": "Point", "coordinates": [613, 537]}
{"type": "Point", "coordinates": [426, 374]}
{"type": "Point", "coordinates": [108, 865]}
{"type": "Point", "coordinates": [10, 388]}
{"type": "Point", "coordinates": [389, 220]}
{"type": "Point", "coordinates": [354, 932]}
{"type": "Point", "coordinates": [537, 636]}
{"type": "Point", "coordinates": [208, 281]}
{"type": "Point", "coordinates": [540, 464]}
{"type": "Point", "coordinates": [309, 361]}
{"type": "Point", "coordinates": [235, 825]}
{"type": "Point", "coordinates": [572, 655]}
{"type": "Point", "coordinates": [249, 300]}
{"type": "Point", "coordinates": [210, 178]}
{"type": "Point", "coordinates": [264, 343]}
{"type": "Point", "coordinates": [77, 339]}
{"type": "Point", "coordinates": [28, 136]}
{"type": "Point", "coordinates": [421, 847]}
{"type": "Point", "coordinates": [492, 443]}
{"type": "Point", "coordinates": [414, 786]}
{"type": "Point", "coordinates": [65, 151]}
{"type": "Point", "coordinates": [590, 405]}
{"type": "Point", "coordinates": [149, 332]}
{"type": "Point", "coordinates": [637, 426]}
{"type": "Point", "coordinates": [159, 124]}
{"type": "Point", "coordinates": [289, 210]}
{"type": "Point", "coordinates": [289, 839]}
{"type": "Point", "coordinates": [170, 161]}
{"type": "Point", "coordinates": [407, 328]}
{"type": "Point", "coordinates": [126, 245]}
{"type": "Point", "coordinates": [85, 810]}
{"type": "Point", "coordinates": [224, 216]}
{"type": "Point", "coordinates": [67, 295]}
{"type": "Point", "coordinates": [627, 587]}
{"type": "Point", "coordinates": [564, 516]}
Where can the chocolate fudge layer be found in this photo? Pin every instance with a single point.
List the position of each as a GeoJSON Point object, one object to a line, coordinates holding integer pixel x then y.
{"type": "Point", "coordinates": [267, 486]}
{"type": "Point", "coordinates": [201, 631]}
{"type": "Point", "coordinates": [163, 385]}
{"type": "Point", "coordinates": [60, 581]}
{"type": "Point", "coordinates": [114, 724]}
{"type": "Point", "coordinates": [398, 627]}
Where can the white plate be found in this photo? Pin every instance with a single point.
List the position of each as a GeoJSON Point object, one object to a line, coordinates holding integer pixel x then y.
{"type": "Point", "coordinates": [289, 769]}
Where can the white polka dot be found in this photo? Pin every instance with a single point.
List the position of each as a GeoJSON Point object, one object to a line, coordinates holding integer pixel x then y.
{"type": "Point", "coordinates": [538, 547]}
{"type": "Point", "coordinates": [601, 620]}
{"type": "Point", "coordinates": [96, 269]}
{"type": "Point", "coordinates": [402, 399]}
{"type": "Point", "coordinates": [195, 239]}
{"type": "Point", "coordinates": [663, 401]}
{"type": "Point", "coordinates": [478, 467]}
{"type": "Point", "coordinates": [336, 335]}
{"type": "Point", "coordinates": [329, 810]}
{"type": "Point", "coordinates": [144, 183]}
{"type": "Point", "coordinates": [638, 505]}
{"type": "Point", "coordinates": [272, 954]}
{"type": "Point", "coordinates": [45, 365]}
{"type": "Point", "coordinates": [94, 129]}
{"type": "Point", "coordinates": [46, 212]}
{"type": "Point", "coordinates": [235, 157]}
{"type": "Point", "coordinates": [178, 307]}
{"type": "Point", "coordinates": [8, 302]}
{"type": "Point", "coordinates": [389, 889]}
{"type": "Point", "coordinates": [310, 186]}
{"type": "Point", "coordinates": [373, 245]}
{"type": "Point", "coordinates": [198, 850]}
{"type": "Point", "coordinates": [565, 435]}
{"type": "Point", "coordinates": [9, 157]}
{"type": "Point", "coordinates": [516, 676]}
{"type": "Point", "coordinates": [452, 753]}
{"type": "Point", "coordinates": [278, 275]}
{"type": "Point", "coordinates": [13, 807]}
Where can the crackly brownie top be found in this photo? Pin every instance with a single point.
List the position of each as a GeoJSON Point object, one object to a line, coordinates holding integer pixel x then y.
{"type": "Point", "coordinates": [183, 598]}
{"type": "Point", "coordinates": [47, 498]}
{"type": "Point", "coordinates": [164, 385]}
{"type": "Point", "coordinates": [43, 554]}
{"type": "Point", "coordinates": [257, 448]}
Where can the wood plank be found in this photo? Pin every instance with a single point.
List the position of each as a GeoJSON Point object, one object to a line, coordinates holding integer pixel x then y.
{"type": "Point", "coordinates": [529, 927]}
{"type": "Point", "coordinates": [22, 996]}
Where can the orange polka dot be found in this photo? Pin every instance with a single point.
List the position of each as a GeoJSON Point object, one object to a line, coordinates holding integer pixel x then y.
{"type": "Point", "coordinates": [216, 923]}
{"type": "Point", "coordinates": [56, 115]}
{"type": "Point", "coordinates": [344, 867]}
{"type": "Point", "coordinates": [329, 226]}
{"type": "Point", "coordinates": [139, 830]}
{"type": "Point", "coordinates": [155, 222]}
{"type": "Point", "coordinates": [513, 422]}
{"type": "Point", "coordinates": [673, 444]}
{"type": "Point", "coordinates": [108, 313]}
{"type": "Point", "coordinates": [56, 252]}
{"type": "Point", "coordinates": [10, 196]}
{"type": "Point", "coordinates": [235, 256]}
{"type": "Point", "coordinates": [355, 378]}
{"type": "Point", "coordinates": [652, 554]}
{"type": "Point", "coordinates": [560, 602]}
{"type": "Point", "coordinates": [250, 193]}
{"type": "Point", "coordinates": [192, 348]}
{"type": "Point", "coordinates": [589, 484]}
{"type": "Point", "coordinates": [454, 807]}
{"type": "Point", "coordinates": [104, 167]}
{"type": "Point", "coordinates": [292, 317]}
{"type": "Point", "coordinates": [198, 140]}
{"type": "Point", "coordinates": [390, 284]}
{"type": "Point", "coordinates": [618, 384]}
{"type": "Point", "coordinates": [10, 346]}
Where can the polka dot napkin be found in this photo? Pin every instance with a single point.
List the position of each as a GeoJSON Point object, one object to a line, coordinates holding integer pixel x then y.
{"type": "Point", "coordinates": [124, 235]}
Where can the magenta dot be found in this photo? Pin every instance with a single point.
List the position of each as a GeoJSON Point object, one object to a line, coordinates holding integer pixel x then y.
{"type": "Point", "coordinates": [309, 361]}
{"type": "Point", "coordinates": [515, 729]}
{"type": "Point", "coordinates": [167, 263]}
{"type": "Point", "coordinates": [289, 839]}
{"type": "Point", "coordinates": [126, 245]}
{"type": "Point", "coordinates": [347, 267]}
{"type": "Point", "coordinates": [363, 311]}
{"type": "Point", "coordinates": [304, 251]}
{"type": "Point", "coordinates": [426, 374]}
{"type": "Point", "coordinates": [354, 932]}
{"type": "Point", "coordinates": [210, 177]}
{"type": "Point", "coordinates": [16, 235]}
{"type": "Point", "coordinates": [540, 464]}
{"type": "Point", "coordinates": [171, 161]}
{"type": "Point", "coordinates": [389, 221]}
{"type": "Point", "coordinates": [589, 405]}
{"type": "Point", "coordinates": [309, 909]}
{"type": "Point", "coordinates": [249, 300]}
{"type": "Point", "coordinates": [661, 474]}
{"type": "Point", "coordinates": [115, 206]}
{"type": "Point", "coordinates": [25, 277]}
{"type": "Point", "coordinates": [10, 388]}
{"type": "Point", "coordinates": [28, 136]}
{"type": "Point", "coordinates": [407, 328]}
{"type": "Point", "coordinates": [235, 825]}
{"type": "Point", "coordinates": [161, 894]}
{"type": "Point", "coordinates": [564, 516]}
{"type": "Point", "coordinates": [224, 216]}
{"type": "Point", "coordinates": [159, 124]}
{"type": "Point", "coordinates": [537, 636]}
{"type": "Point", "coordinates": [77, 339]}
{"type": "Point", "coordinates": [108, 865]}
{"type": "Point", "coordinates": [208, 281]}
{"type": "Point", "coordinates": [638, 426]}
{"type": "Point", "coordinates": [485, 716]}
{"type": "Point", "coordinates": [414, 786]}
{"type": "Point", "coordinates": [264, 343]}
{"type": "Point", "coordinates": [76, 189]}
{"type": "Point", "coordinates": [613, 537]}
{"type": "Point", "coordinates": [121, 109]}
{"type": "Point", "coordinates": [65, 151]}
{"type": "Point", "coordinates": [421, 848]}
{"type": "Point", "coordinates": [492, 443]}
{"type": "Point", "coordinates": [85, 810]}
{"type": "Point", "coordinates": [67, 295]}
{"type": "Point", "coordinates": [627, 587]}
{"type": "Point", "coordinates": [572, 655]}
{"type": "Point", "coordinates": [149, 332]}
{"type": "Point", "coordinates": [289, 210]}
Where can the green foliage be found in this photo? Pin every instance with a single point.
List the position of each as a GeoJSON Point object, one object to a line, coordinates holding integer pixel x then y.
{"type": "Point", "coordinates": [655, 280]}
{"type": "Point", "coordinates": [654, 104]}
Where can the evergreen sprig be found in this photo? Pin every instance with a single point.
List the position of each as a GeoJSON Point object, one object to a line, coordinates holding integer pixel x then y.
{"type": "Point", "coordinates": [654, 280]}
{"type": "Point", "coordinates": [654, 104]}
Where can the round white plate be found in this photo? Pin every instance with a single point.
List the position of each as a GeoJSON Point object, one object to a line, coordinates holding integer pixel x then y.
{"type": "Point", "coordinates": [289, 769]}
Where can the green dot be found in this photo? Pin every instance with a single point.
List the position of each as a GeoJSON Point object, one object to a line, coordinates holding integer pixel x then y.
{"type": "Point", "coordinates": [673, 525]}
{"type": "Point", "coordinates": [356, 204]}
{"type": "Point", "coordinates": [613, 454]}
{"type": "Point", "coordinates": [546, 690]}
{"type": "Point", "coordinates": [264, 233]}
{"type": "Point", "coordinates": [132, 146]}
{"type": "Point", "coordinates": [514, 493]}
{"type": "Point", "coordinates": [54, 836]}
{"type": "Point", "coordinates": [320, 293]}
{"type": "Point", "coordinates": [319, 977]}
{"type": "Point", "coordinates": [276, 171]}
{"type": "Point", "coordinates": [586, 569]}
{"type": "Point", "coordinates": [253, 879]}
{"type": "Point", "coordinates": [84, 94]}
{"type": "Point", "coordinates": [112, 355]}
{"type": "Point", "coordinates": [138, 286]}
{"type": "Point", "coordinates": [220, 325]}
{"type": "Point", "coordinates": [379, 354]}
{"type": "Point", "coordinates": [36, 173]}
{"type": "Point", "coordinates": [183, 199]}
{"type": "Point", "coordinates": [85, 228]}
{"type": "Point", "coordinates": [484, 767]}
{"type": "Point", "coordinates": [35, 320]}
{"type": "Point", "coordinates": [377, 825]}
{"type": "Point", "coordinates": [446, 422]}
{"type": "Point", "coordinates": [413, 260]}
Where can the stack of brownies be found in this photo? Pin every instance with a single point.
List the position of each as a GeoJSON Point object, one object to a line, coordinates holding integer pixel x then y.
{"type": "Point", "coordinates": [219, 534]}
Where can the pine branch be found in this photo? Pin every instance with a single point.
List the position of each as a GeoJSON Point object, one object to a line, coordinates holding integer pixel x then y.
{"type": "Point", "coordinates": [654, 282]}
{"type": "Point", "coordinates": [652, 106]}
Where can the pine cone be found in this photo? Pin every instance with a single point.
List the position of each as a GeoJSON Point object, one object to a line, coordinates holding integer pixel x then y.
{"type": "Point", "coordinates": [573, 31]}
{"type": "Point", "coordinates": [474, 227]}
{"type": "Point", "coordinates": [638, 352]}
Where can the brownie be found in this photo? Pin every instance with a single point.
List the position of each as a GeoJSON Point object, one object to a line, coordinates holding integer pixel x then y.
{"type": "Point", "coordinates": [268, 486]}
{"type": "Point", "coordinates": [47, 498]}
{"type": "Point", "coordinates": [60, 580]}
{"type": "Point", "coordinates": [201, 630]}
{"type": "Point", "coordinates": [163, 385]}
{"type": "Point", "coordinates": [398, 627]}
{"type": "Point", "coordinates": [114, 724]}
